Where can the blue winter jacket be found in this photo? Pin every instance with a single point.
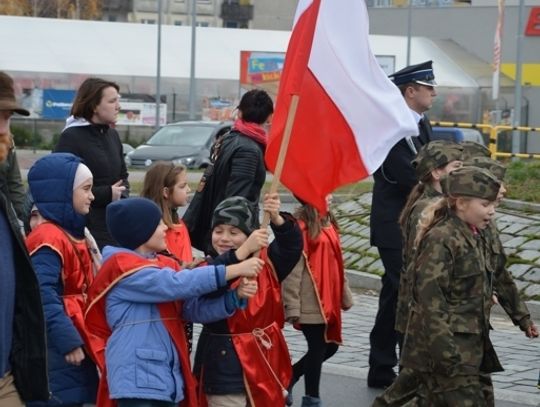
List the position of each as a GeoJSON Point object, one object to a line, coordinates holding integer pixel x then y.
{"type": "Point", "coordinates": [141, 359]}
{"type": "Point", "coordinates": [51, 183]}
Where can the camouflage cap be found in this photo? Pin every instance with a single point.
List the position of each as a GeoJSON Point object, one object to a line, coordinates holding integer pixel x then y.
{"type": "Point", "coordinates": [434, 155]}
{"type": "Point", "coordinates": [236, 211]}
{"type": "Point", "coordinates": [493, 166]}
{"type": "Point", "coordinates": [472, 149]}
{"type": "Point", "coordinates": [472, 181]}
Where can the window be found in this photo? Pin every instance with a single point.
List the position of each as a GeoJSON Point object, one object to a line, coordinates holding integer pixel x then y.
{"type": "Point", "coordinates": [230, 24]}
{"type": "Point", "coordinates": [202, 24]}
{"type": "Point", "coordinates": [148, 21]}
{"type": "Point", "coordinates": [178, 22]}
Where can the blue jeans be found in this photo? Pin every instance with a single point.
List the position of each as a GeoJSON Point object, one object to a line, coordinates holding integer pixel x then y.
{"type": "Point", "coordinates": [144, 403]}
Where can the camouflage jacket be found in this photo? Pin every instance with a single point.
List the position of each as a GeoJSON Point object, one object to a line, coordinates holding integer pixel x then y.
{"type": "Point", "coordinates": [503, 283]}
{"type": "Point", "coordinates": [11, 183]}
{"type": "Point", "coordinates": [409, 234]}
{"type": "Point", "coordinates": [448, 327]}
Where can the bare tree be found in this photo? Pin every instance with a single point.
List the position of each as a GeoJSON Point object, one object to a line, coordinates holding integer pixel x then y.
{"type": "Point", "coordinates": [71, 9]}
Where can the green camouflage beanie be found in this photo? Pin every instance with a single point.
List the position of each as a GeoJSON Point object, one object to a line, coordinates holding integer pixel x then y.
{"type": "Point", "coordinates": [434, 155]}
{"type": "Point", "coordinates": [493, 166]}
{"type": "Point", "coordinates": [472, 181]}
{"type": "Point", "coordinates": [472, 149]}
{"type": "Point", "coordinates": [236, 211]}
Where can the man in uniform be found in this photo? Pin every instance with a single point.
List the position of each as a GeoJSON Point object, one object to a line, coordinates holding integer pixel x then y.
{"type": "Point", "coordinates": [393, 182]}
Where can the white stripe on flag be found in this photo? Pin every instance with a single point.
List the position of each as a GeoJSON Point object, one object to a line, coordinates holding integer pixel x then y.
{"type": "Point", "coordinates": [342, 61]}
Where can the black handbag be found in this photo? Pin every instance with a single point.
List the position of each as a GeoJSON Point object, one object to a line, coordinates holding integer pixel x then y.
{"type": "Point", "coordinates": [198, 215]}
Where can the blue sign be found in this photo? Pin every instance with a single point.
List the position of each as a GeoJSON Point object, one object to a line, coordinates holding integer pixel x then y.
{"type": "Point", "coordinates": [260, 62]}
{"type": "Point", "coordinates": [57, 103]}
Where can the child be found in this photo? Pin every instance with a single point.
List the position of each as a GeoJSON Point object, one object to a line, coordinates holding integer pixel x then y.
{"type": "Point", "coordinates": [244, 360]}
{"type": "Point", "coordinates": [62, 189]}
{"type": "Point", "coordinates": [133, 307]}
{"type": "Point", "coordinates": [166, 185]}
{"type": "Point", "coordinates": [472, 149]}
{"type": "Point", "coordinates": [504, 290]}
{"type": "Point", "coordinates": [434, 161]}
{"type": "Point", "coordinates": [313, 295]}
{"type": "Point", "coordinates": [447, 338]}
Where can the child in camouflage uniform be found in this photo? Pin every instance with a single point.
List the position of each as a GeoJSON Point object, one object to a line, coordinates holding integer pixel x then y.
{"type": "Point", "coordinates": [504, 289]}
{"type": "Point", "coordinates": [434, 160]}
{"type": "Point", "coordinates": [447, 338]}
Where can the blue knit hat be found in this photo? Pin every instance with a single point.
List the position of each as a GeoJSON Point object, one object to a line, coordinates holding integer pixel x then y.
{"type": "Point", "coordinates": [132, 221]}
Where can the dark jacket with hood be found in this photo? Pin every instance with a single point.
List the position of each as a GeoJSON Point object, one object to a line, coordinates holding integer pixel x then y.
{"type": "Point", "coordinates": [239, 170]}
{"type": "Point", "coordinates": [51, 185]}
{"type": "Point", "coordinates": [101, 149]}
{"type": "Point", "coordinates": [28, 356]}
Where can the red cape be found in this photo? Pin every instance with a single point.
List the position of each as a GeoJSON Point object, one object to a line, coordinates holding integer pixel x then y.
{"type": "Point", "coordinates": [77, 274]}
{"type": "Point", "coordinates": [117, 267]}
{"type": "Point", "coordinates": [325, 265]}
{"type": "Point", "coordinates": [258, 339]}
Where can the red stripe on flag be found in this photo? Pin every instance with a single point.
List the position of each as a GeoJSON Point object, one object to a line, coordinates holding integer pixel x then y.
{"type": "Point", "coordinates": [321, 138]}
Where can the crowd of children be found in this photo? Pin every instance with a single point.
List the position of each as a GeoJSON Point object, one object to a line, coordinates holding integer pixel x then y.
{"type": "Point", "coordinates": [119, 321]}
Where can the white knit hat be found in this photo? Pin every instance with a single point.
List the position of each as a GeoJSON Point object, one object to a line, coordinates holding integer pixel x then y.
{"type": "Point", "coordinates": [82, 174]}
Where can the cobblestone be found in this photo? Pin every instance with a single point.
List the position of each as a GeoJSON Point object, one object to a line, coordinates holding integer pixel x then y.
{"type": "Point", "coordinates": [518, 354]}
{"type": "Point", "coordinates": [532, 245]}
{"type": "Point", "coordinates": [519, 269]}
{"type": "Point", "coordinates": [530, 255]}
{"type": "Point", "coordinates": [520, 235]}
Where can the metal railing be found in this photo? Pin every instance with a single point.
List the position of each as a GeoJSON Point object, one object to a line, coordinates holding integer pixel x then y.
{"type": "Point", "coordinates": [493, 136]}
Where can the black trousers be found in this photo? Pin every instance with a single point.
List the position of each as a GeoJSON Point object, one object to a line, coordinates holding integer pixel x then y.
{"type": "Point", "coordinates": [383, 337]}
{"type": "Point", "coordinates": [311, 363]}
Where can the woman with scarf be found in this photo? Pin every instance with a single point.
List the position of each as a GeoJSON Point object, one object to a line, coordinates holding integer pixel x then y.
{"type": "Point", "coordinates": [238, 168]}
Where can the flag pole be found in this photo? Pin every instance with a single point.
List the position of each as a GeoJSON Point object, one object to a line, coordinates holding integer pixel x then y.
{"type": "Point", "coordinates": [282, 153]}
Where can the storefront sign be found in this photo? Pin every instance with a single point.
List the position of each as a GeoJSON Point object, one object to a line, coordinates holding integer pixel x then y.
{"type": "Point", "coordinates": [533, 25]}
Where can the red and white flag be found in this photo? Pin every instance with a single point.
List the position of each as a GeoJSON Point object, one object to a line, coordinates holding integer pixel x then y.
{"type": "Point", "coordinates": [497, 48]}
{"type": "Point", "coordinates": [349, 113]}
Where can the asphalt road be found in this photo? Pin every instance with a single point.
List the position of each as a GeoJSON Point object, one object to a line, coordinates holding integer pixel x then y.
{"type": "Point", "coordinates": [347, 388]}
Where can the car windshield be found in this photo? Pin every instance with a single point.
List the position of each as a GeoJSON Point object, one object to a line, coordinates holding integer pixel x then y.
{"type": "Point", "coordinates": [193, 136]}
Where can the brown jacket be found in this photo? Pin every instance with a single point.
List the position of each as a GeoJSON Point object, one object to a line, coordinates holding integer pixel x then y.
{"type": "Point", "coordinates": [300, 300]}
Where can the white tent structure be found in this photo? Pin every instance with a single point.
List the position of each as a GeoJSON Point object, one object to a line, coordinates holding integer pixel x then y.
{"type": "Point", "coordinates": [42, 45]}
{"type": "Point", "coordinates": [62, 52]}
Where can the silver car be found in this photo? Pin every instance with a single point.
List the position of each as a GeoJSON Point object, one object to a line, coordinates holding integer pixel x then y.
{"type": "Point", "coordinates": [186, 143]}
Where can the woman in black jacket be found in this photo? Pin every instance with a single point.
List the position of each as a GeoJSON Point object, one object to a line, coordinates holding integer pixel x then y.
{"type": "Point", "coordinates": [238, 169]}
{"type": "Point", "coordinates": [88, 135]}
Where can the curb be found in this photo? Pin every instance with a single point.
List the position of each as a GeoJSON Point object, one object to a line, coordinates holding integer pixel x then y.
{"type": "Point", "coordinates": [360, 279]}
{"type": "Point", "coordinates": [520, 205]}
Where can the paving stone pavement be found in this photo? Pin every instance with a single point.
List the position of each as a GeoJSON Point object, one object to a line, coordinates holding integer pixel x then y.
{"type": "Point", "coordinates": [519, 355]}
{"type": "Point", "coordinates": [519, 231]}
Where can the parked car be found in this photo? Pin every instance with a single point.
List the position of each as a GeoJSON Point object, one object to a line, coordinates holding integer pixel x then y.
{"type": "Point", "coordinates": [458, 134]}
{"type": "Point", "coordinates": [126, 149]}
{"type": "Point", "coordinates": [186, 143]}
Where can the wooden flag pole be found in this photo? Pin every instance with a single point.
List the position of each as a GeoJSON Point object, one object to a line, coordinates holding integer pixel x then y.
{"type": "Point", "coordinates": [282, 153]}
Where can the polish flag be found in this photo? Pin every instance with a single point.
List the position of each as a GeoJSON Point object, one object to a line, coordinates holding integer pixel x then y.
{"type": "Point", "coordinates": [349, 113]}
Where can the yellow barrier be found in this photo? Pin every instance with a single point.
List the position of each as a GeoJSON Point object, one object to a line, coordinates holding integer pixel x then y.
{"type": "Point", "coordinates": [493, 135]}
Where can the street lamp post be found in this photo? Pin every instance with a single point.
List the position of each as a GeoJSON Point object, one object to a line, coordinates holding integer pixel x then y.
{"type": "Point", "coordinates": [516, 135]}
{"type": "Point", "coordinates": [158, 75]}
{"type": "Point", "coordinates": [192, 87]}
{"type": "Point", "coordinates": [409, 30]}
